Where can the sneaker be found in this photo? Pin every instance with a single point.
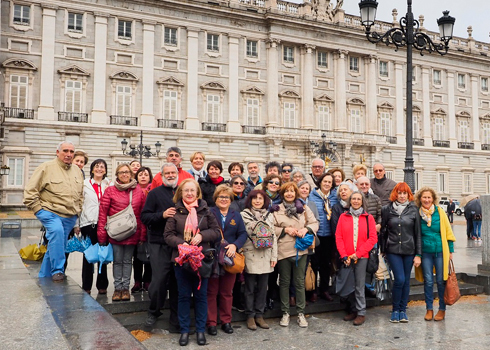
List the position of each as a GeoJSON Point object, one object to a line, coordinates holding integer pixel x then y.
{"type": "Point", "coordinates": [403, 317]}
{"type": "Point", "coordinates": [284, 320]}
{"type": "Point", "coordinates": [395, 317]}
{"type": "Point", "coordinates": [136, 288]}
{"type": "Point", "coordinates": [302, 321]}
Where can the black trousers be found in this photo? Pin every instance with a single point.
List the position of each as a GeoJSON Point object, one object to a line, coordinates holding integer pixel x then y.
{"type": "Point", "coordinates": [138, 266]}
{"type": "Point", "coordinates": [162, 279]}
{"type": "Point", "coordinates": [273, 287]}
{"type": "Point", "coordinates": [322, 261]}
{"type": "Point", "coordinates": [87, 268]}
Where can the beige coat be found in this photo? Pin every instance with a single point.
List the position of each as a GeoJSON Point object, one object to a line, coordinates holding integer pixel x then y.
{"type": "Point", "coordinates": [258, 261]}
{"type": "Point", "coordinates": [286, 243]}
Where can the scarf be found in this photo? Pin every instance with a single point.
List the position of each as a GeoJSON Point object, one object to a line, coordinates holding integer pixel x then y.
{"type": "Point", "coordinates": [400, 207]}
{"type": "Point", "coordinates": [216, 181]}
{"type": "Point", "coordinates": [259, 214]}
{"type": "Point", "coordinates": [123, 187]}
{"type": "Point", "coordinates": [191, 224]}
{"type": "Point", "coordinates": [271, 195]}
{"type": "Point", "coordinates": [356, 212]}
{"type": "Point", "coordinates": [426, 214]}
{"type": "Point", "coordinates": [198, 173]}
{"type": "Point", "coordinates": [238, 195]}
{"type": "Point", "coordinates": [326, 202]}
{"type": "Point", "coordinates": [344, 204]}
{"type": "Point", "coordinates": [291, 210]}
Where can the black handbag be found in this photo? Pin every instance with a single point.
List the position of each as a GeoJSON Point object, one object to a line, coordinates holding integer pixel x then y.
{"type": "Point", "coordinates": [373, 260]}
{"type": "Point", "coordinates": [207, 263]}
{"type": "Point", "coordinates": [142, 253]}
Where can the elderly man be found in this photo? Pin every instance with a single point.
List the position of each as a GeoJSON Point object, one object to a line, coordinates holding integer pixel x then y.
{"type": "Point", "coordinates": [254, 178]}
{"type": "Point", "coordinates": [381, 185]}
{"type": "Point", "coordinates": [174, 156]}
{"type": "Point", "coordinates": [317, 169]}
{"type": "Point", "coordinates": [55, 194]}
{"type": "Point", "coordinates": [372, 201]}
{"type": "Point", "coordinates": [158, 208]}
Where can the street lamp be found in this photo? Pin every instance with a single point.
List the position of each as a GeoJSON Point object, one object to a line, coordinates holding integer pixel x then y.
{"type": "Point", "coordinates": [4, 170]}
{"type": "Point", "coordinates": [408, 35]}
{"type": "Point", "coordinates": [325, 151]}
{"type": "Point", "coordinates": [140, 149]}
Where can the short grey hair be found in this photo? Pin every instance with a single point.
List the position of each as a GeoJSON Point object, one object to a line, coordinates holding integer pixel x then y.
{"type": "Point", "coordinates": [295, 171]}
{"type": "Point", "coordinates": [379, 164]}
{"type": "Point", "coordinates": [323, 162]}
{"type": "Point", "coordinates": [364, 178]}
{"type": "Point", "coordinates": [350, 185]}
{"type": "Point", "coordinates": [166, 165]}
{"type": "Point", "coordinates": [174, 149]}
{"type": "Point", "coordinates": [302, 182]}
{"type": "Point", "coordinates": [63, 142]}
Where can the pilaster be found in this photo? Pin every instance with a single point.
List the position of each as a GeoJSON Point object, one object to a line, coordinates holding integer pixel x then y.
{"type": "Point", "coordinates": [371, 102]}
{"type": "Point", "coordinates": [475, 118]}
{"type": "Point", "coordinates": [307, 65]}
{"type": "Point", "coordinates": [99, 113]}
{"type": "Point", "coordinates": [147, 116]}
{"type": "Point", "coordinates": [192, 119]}
{"type": "Point", "coordinates": [451, 117]}
{"type": "Point", "coordinates": [340, 91]}
{"type": "Point", "coordinates": [233, 90]}
{"type": "Point", "coordinates": [46, 109]}
{"type": "Point", "coordinates": [272, 82]}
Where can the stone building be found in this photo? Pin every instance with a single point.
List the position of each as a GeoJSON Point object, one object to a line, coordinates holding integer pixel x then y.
{"type": "Point", "coordinates": [239, 80]}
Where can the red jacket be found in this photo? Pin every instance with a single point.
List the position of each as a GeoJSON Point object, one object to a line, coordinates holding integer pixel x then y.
{"type": "Point", "coordinates": [112, 202]}
{"type": "Point", "coordinates": [157, 180]}
{"type": "Point", "coordinates": [344, 236]}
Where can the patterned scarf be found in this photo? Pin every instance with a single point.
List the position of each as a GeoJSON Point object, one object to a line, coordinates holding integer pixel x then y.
{"type": "Point", "coordinates": [326, 202]}
{"type": "Point", "coordinates": [426, 214]}
{"type": "Point", "coordinates": [198, 173]}
{"type": "Point", "coordinates": [191, 224]}
{"type": "Point", "coordinates": [271, 195]}
{"type": "Point", "coordinates": [290, 210]}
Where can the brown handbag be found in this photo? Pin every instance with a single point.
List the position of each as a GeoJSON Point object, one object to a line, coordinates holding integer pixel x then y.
{"type": "Point", "coordinates": [238, 260]}
{"type": "Point", "coordinates": [451, 294]}
{"type": "Point", "coordinates": [310, 279]}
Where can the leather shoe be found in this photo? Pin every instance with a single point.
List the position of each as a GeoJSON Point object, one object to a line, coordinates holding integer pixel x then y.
{"type": "Point", "coordinates": [314, 298]}
{"type": "Point", "coordinates": [201, 338]}
{"type": "Point", "coordinates": [350, 317]}
{"type": "Point", "coordinates": [151, 319]}
{"type": "Point", "coordinates": [327, 296]}
{"type": "Point", "coordinates": [429, 315]}
{"type": "Point", "coordinates": [184, 339]}
{"type": "Point", "coordinates": [227, 328]}
{"type": "Point", "coordinates": [212, 330]}
{"type": "Point", "coordinates": [441, 314]}
{"type": "Point", "coordinates": [58, 277]}
{"type": "Point", "coordinates": [359, 320]}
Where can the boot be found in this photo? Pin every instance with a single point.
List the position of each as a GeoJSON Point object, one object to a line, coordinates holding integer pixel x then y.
{"type": "Point", "coordinates": [251, 324]}
{"type": "Point", "coordinates": [440, 315]}
{"type": "Point", "coordinates": [261, 323]}
{"type": "Point", "coordinates": [429, 315]}
{"type": "Point", "coordinates": [359, 320]}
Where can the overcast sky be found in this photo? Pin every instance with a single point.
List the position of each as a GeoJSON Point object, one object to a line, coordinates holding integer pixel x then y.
{"type": "Point", "coordinates": [466, 12]}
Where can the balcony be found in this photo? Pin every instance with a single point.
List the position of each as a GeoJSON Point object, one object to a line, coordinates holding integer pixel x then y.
{"type": "Point", "coordinates": [250, 129]}
{"type": "Point", "coordinates": [391, 139]}
{"type": "Point", "coordinates": [122, 120]}
{"type": "Point", "coordinates": [466, 145]}
{"type": "Point", "coordinates": [418, 142]}
{"type": "Point", "coordinates": [440, 143]}
{"type": "Point", "coordinates": [214, 127]}
{"type": "Point", "coordinates": [485, 147]}
{"type": "Point", "coordinates": [21, 113]}
{"type": "Point", "coordinates": [170, 124]}
{"type": "Point", "coordinates": [73, 117]}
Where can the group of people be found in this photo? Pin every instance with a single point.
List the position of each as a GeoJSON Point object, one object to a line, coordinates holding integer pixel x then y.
{"type": "Point", "coordinates": [321, 219]}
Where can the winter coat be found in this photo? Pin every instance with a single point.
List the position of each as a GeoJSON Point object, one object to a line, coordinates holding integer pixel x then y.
{"type": "Point", "coordinates": [337, 210]}
{"type": "Point", "coordinates": [258, 261]}
{"type": "Point", "coordinates": [90, 209]}
{"type": "Point", "coordinates": [251, 185]}
{"type": "Point", "coordinates": [382, 188]}
{"type": "Point", "coordinates": [157, 179]}
{"type": "Point", "coordinates": [314, 197]}
{"type": "Point", "coordinates": [373, 204]}
{"type": "Point", "coordinates": [234, 229]}
{"type": "Point", "coordinates": [344, 236]}
{"type": "Point", "coordinates": [158, 200]}
{"type": "Point", "coordinates": [401, 234]}
{"type": "Point", "coordinates": [207, 190]}
{"type": "Point", "coordinates": [113, 201]}
{"type": "Point", "coordinates": [285, 242]}
{"type": "Point", "coordinates": [208, 227]}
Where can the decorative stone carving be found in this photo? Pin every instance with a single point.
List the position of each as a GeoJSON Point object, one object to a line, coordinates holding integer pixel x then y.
{"type": "Point", "coordinates": [19, 63]}
{"type": "Point", "coordinates": [323, 10]}
{"type": "Point", "coordinates": [124, 75]}
{"type": "Point", "coordinates": [169, 81]}
{"type": "Point", "coordinates": [253, 90]}
{"type": "Point", "coordinates": [386, 105]}
{"type": "Point", "coordinates": [213, 85]}
{"type": "Point", "coordinates": [289, 93]}
{"type": "Point", "coordinates": [323, 98]}
{"type": "Point", "coordinates": [356, 101]}
{"type": "Point", "coordinates": [73, 70]}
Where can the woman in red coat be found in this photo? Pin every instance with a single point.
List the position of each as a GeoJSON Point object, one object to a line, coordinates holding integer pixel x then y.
{"type": "Point", "coordinates": [354, 245]}
{"type": "Point", "coordinates": [114, 200]}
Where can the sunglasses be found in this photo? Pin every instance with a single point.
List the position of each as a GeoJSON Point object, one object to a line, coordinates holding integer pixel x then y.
{"type": "Point", "coordinates": [286, 170]}
{"type": "Point", "coordinates": [277, 183]}
{"type": "Point", "coordinates": [378, 171]}
{"type": "Point", "coordinates": [239, 183]}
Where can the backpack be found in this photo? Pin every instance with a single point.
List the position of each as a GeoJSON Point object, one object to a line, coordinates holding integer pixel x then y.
{"type": "Point", "coordinates": [262, 235]}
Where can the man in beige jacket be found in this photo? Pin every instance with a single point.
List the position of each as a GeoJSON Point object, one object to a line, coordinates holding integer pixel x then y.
{"type": "Point", "coordinates": [55, 194]}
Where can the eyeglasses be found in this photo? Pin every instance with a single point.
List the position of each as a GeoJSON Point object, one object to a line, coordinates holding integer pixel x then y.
{"type": "Point", "coordinates": [277, 183]}
{"type": "Point", "coordinates": [378, 171]}
{"type": "Point", "coordinates": [239, 183]}
{"type": "Point", "coordinates": [286, 170]}
{"type": "Point", "coordinates": [224, 198]}
{"type": "Point", "coordinates": [317, 166]}
{"type": "Point", "coordinates": [124, 172]}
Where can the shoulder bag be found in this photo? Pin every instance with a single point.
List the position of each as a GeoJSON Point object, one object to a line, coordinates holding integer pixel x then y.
{"type": "Point", "coordinates": [122, 225]}
{"type": "Point", "coordinates": [451, 294]}
{"type": "Point", "coordinates": [373, 260]}
{"type": "Point", "coordinates": [238, 261]}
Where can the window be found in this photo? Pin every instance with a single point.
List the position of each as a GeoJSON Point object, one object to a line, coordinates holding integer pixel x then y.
{"type": "Point", "coordinates": [441, 182]}
{"type": "Point", "coordinates": [213, 106]}
{"type": "Point", "coordinates": [464, 131]}
{"type": "Point", "coordinates": [415, 127]}
{"type": "Point", "coordinates": [289, 114]}
{"type": "Point", "coordinates": [418, 177]}
{"type": "Point", "coordinates": [390, 174]}
{"type": "Point", "coordinates": [253, 111]}
{"type": "Point", "coordinates": [123, 100]}
{"type": "Point", "coordinates": [213, 42]}
{"type": "Point", "coordinates": [18, 91]}
{"type": "Point", "coordinates": [383, 69]}
{"type": "Point", "coordinates": [322, 59]}
{"type": "Point", "coordinates": [124, 29]}
{"type": "Point", "coordinates": [436, 77]}
{"type": "Point", "coordinates": [467, 182]}
{"type": "Point", "coordinates": [355, 117]}
{"type": "Point", "coordinates": [170, 104]}
{"type": "Point", "coordinates": [73, 96]}
{"type": "Point", "coordinates": [16, 175]}
{"type": "Point", "coordinates": [289, 54]}
{"type": "Point", "coordinates": [75, 22]}
{"type": "Point", "coordinates": [484, 84]}
{"type": "Point", "coordinates": [252, 49]}
{"type": "Point", "coordinates": [461, 81]}
{"type": "Point", "coordinates": [22, 14]}
{"type": "Point", "coordinates": [385, 124]}
{"type": "Point", "coordinates": [438, 128]}
{"type": "Point", "coordinates": [354, 64]}
{"type": "Point", "coordinates": [170, 36]}
{"type": "Point", "coordinates": [486, 133]}
{"type": "Point", "coordinates": [324, 117]}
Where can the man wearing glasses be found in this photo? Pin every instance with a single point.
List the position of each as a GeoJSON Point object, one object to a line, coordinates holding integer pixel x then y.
{"type": "Point", "coordinates": [381, 185]}
{"type": "Point", "coordinates": [174, 156]}
{"type": "Point", "coordinates": [317, 169]}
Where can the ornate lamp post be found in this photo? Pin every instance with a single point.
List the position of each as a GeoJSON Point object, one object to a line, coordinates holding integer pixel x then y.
{"type": "Point", "coordinates": [4, 170]}
{"type": "Point", "coordinates": [408, 35]}
{"type": "Point", "coordinates": [140, 149]}
{"type": "Point", "coordinates": [325, 151]}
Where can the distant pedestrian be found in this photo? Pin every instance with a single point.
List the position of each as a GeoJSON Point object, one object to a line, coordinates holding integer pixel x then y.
{"type": "Point", "coordinates": [450, 210]}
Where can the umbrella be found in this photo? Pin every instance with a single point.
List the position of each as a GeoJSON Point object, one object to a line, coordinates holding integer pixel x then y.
{"type": "Point", "coordinates": [468, 199]}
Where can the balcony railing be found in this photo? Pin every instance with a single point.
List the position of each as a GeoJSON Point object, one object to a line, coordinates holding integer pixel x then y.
{"type": "Point", "coordinates": [170, 124]}
{"type": "Point", "coordinates": [73, 117]}
{"type": "Point", "coordinates": [485, 147]}
{"type": "Point", "coordinates": [391, 139]}
{"type": "Point", "coordinates": [440, 143]}
{"type": "Point", "coordinates": [466, 145]}
{"type": "Point", "coordinates": [122, 120]}
{"type": "Point", "coordinates": [214, 127]}
{"type": "Point", "coordinates": [23, 113]}
{"type": "Point", "coordinates": [250, 129]}
{"type": "Point", "coordinates": [418, 142]}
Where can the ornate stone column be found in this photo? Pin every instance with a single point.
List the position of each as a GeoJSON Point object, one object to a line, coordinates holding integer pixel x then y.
{"type": "Point", "coordinates": [371, 101]}
{"type": "Point", "coordinates": [272, 82]}
{"type": "Point", "coordinates": [475, 118]}
{"type": "Point", "coordinates": [192, 119]}
{"type": "Point", "coordinates": [307, 65]}
{"type": "Point", "coordinates": [99, 114]}
{"type": "Point", "coordinates": [233, 91]}
{"type": "Point", "coordinates": [451, 110]}
{"type": "Point", "coordinates": [147, 116]}
{"type": "Point", "coordinates": [340, 91]}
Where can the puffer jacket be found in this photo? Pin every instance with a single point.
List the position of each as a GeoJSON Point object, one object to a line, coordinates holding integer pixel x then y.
{"type": "Point", "coordinates": [373, 204]}
{"type": "Point", "coordinates": [90, 209]}
{"type": "Point", "coordinates": [382, 188]}
{"type": "Point", "coordinates": [401, 234]}
{"type": "Point", "coordinates": [314, 197]}
{"type": "Point", "coordinates": [113, 201]}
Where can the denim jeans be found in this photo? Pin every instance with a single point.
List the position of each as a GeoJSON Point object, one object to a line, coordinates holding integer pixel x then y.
{"type": "Point", "coordinates": [188, 283]}
{"type": "Point", "coordinates": [477, 228]}
{"type": "Point", "coordinates": [57, 230]}
{"type": "Point", "coordinates": [429, 261]}
{"type": "Point", "coordinates": [121, 270]}
{"type": "Point", "coordinates": [401, 265]}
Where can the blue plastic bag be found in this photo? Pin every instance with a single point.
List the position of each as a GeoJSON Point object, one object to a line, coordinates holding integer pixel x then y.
{"type": "Point", "coordinates": [106, 255]}
{"type": "Point", "coordinates": [77, 244]}
{"type": "Point", "coordinates": [92, 253]}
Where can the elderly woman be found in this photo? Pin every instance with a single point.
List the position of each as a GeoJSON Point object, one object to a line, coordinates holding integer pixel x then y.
{"type": "Point", "coordinates": [344, 191]}
{"type": "Point", "coordinates": [193, 224]}
{"type": "Point", "coordinates": [233, 230]}
{"type": "Point", "coordinates": [197, 165]}
{"type": "Point", "coordinates": [354, 245]}
{"type": "Point", "coordinates": [338, 176]}
{"type": "Point", "coordinates": [324, 197]}
{"type": "Point", "coordinates": [259, 262]}
{"type": "Point", "coordinates": [235, 169]}
{"type": "Point", "coordinates": [359, 170]}
{"type": "Point", "coordinates": [271, 186]}
{"type": "Point", "coordinates": [437, 249]}
{"type": "Point", "coordinates": [292, 221]}
{"type": "Point", "coordinates": [134, 165]}
{"type": "Point", "coordinates": [298, 175]}
{"type": "Point", "coordinates": [80, 159]}
{"type": "Point", "coordinates": [212, 180]}
{"type": "Point", "coordinates": [115, 199]}
{"type": "Point", "coordinates": [401, 242]}
{"type": "Point", "coordinates": [238, 185]}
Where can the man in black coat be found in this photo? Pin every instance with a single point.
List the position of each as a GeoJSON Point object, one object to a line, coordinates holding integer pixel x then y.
{"type": "Point", "coordinates": [158, 208]}
{"type": "Point", "coordinates": [450, 210]}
